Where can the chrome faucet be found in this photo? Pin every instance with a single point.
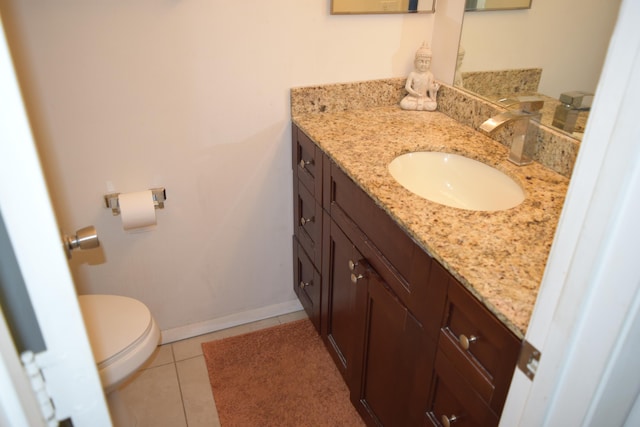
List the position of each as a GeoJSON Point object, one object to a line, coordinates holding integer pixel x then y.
{"type": "Point", "coordinates": [524, 134]}
{"type": "Point", "coordinates": [571, 104]}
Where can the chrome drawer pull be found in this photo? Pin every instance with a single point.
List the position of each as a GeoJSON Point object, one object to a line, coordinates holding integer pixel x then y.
{"type": "Point", "coordinates": [355, 278]}
{"type": "Point", "coordinates": [304, 163]}
{"type": "Point", "coordinates": [447, 421]}
{"type": "Point", "coordinates": [465, 341]}
{"type": "Point", "coordinates": [304, 285]}
{"type": "Point", "coordinates": [304, 221]}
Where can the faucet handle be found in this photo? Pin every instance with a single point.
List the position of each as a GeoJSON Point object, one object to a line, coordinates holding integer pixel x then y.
{"type": "Point", "coordinates": [577, 99]}
{"type": "Point", "coordinates": [529, 104]}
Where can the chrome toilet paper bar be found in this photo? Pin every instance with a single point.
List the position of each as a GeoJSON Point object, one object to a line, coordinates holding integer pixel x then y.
{"type": "Point", "coordinates": [159, 196]}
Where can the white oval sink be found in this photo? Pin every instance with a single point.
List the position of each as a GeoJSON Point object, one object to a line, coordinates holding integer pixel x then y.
{"type": "Point", "coordinates": [456, 181]}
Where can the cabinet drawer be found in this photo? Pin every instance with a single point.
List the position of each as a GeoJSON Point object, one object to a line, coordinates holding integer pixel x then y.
{"type": "Point", "coordinates": [452, 398]}
{"type": "Point", "coordinates": [307, 162]}
{"type": "Point", "coordinates": [478, 345]}
{"type": "Point", "coordinates": [307, 222]}
{"type": "Point", "coordinates": [307, 283]}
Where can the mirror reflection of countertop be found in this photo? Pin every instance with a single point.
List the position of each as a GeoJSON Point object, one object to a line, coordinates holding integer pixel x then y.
{"type": "Point", "coordinates": [548, 111]}
{"type": "Point", "coordinates": [499, 256]}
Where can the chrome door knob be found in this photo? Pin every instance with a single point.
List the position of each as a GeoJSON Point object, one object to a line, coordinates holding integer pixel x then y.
{"type": "Point", "coordinates": [85, 238]}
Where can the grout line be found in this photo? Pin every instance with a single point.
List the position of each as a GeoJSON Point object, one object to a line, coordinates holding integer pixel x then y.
{"type": "Point", "coordinates": [190, 357]}
{"type": "Point", "coordinates": [184, 409]}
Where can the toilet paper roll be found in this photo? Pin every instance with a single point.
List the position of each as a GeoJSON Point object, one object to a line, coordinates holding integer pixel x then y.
{"type": "Point", "coordinates": [137, 210]}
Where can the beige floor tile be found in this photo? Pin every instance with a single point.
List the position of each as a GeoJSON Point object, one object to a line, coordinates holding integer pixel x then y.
{"type": "Point", "coordinates": [154, 397]}
{"type": "Point", "coordinates": [197, 397]}
{"type": "Point", "coordinates": [163, 355]}
{"type": "Point", "coordinates": [191, 347]}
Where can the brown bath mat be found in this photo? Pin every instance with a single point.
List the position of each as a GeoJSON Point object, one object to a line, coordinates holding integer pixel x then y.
{"type": "Point", "coordinates": [280, 376]}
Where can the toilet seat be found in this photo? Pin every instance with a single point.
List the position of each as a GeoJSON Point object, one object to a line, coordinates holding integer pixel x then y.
{"type": "Point", "coordinates": [122, 333]}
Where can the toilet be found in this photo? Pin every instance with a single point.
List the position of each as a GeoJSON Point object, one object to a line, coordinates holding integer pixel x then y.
{"type": "Point", "coordinates": [123, 335]}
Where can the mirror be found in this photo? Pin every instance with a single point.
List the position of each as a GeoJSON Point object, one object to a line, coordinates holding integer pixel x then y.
{"type": "Point", "coordinates": [496, 4]}
{"type": "Point", "coordinates": [551, 49]}
{"type": "Point", "coordinates": [347, 7]}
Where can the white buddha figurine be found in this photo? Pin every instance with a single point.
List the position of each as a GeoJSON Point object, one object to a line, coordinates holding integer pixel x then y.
{"type": "Point", "coordinates": [421, 86]}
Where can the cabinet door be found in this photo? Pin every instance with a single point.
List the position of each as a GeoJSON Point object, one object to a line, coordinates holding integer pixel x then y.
{"type": "Point", "coordinates": [393, 373]}
{"type": "Point", "coordinates": [338, 296]}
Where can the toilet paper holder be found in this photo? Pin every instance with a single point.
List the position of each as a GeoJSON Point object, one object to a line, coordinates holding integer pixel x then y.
{"type": "Point", "coordinates": [159, 195]}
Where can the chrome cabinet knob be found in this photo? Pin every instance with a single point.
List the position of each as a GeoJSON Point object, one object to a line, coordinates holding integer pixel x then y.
{"type": "Point", "coordinates": [352, 265]}
{"type": "Point", "coordinates": [447, 421]}
{"type": "Point", "coordinates": [356, 277]}
{"type": "Point", "coordinates": [304, 284]}
{"type": "Point", "coordinates": [304, 221]}
{"type": "Point", "coordinates": [304, 163]}
{"type": "Point", "coordinates": [465, 341]}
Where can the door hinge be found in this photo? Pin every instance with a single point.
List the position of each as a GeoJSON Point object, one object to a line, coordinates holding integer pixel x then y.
{"type": "Point", "coordinates": [34, 373]}
{"type": "Point", "coordinates": [529, 359]}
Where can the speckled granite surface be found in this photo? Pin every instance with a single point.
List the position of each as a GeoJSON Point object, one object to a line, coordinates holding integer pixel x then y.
{"type": "Point", "coordinates": [501, 82]}
{"type": "Point", "coordinates": [556, 150]}
{"type": "Point", "coordinates": [349, 96]}
{"type": "Point", "coordinates": [499, 256]}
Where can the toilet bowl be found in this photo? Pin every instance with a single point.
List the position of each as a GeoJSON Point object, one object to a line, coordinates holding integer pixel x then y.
{"type": "Point", "coordinates": [123, 335]}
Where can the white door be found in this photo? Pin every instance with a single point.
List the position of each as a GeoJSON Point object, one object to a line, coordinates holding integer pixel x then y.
{"type": "Point", "coordinates": [586, 321]}
{"type": "Point", "coordinates": [67, 364]}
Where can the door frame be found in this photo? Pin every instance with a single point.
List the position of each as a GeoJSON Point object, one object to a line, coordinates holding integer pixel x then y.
{"type": "Point", "coordinates": [68, 366]}
{"type": "Point", "coordinates": [587, 310]}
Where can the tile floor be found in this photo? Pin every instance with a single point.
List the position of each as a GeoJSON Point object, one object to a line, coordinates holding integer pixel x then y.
{"type": "Point", "coordinates": [173, 389]}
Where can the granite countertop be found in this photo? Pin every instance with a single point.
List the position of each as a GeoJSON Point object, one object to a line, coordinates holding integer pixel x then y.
{"type": "Point", "coordinates": [499, 256]}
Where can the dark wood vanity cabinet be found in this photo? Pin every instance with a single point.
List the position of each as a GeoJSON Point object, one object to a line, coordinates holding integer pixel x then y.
{"type": "Point", "coordinates": [411, 342]}
{"type": "Point", "coordinates": [307, 238]}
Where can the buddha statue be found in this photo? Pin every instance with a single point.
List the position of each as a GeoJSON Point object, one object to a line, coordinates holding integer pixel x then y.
{"type": "Point", "coordinates": [421, 86]}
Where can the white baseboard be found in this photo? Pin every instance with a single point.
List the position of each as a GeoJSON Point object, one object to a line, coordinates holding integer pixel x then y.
{"type": "Point", "coordinates": [201, 328]}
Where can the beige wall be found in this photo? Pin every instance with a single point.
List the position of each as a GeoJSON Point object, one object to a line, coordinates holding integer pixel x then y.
{"type": "Point", "coordinates": [193, 96]}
